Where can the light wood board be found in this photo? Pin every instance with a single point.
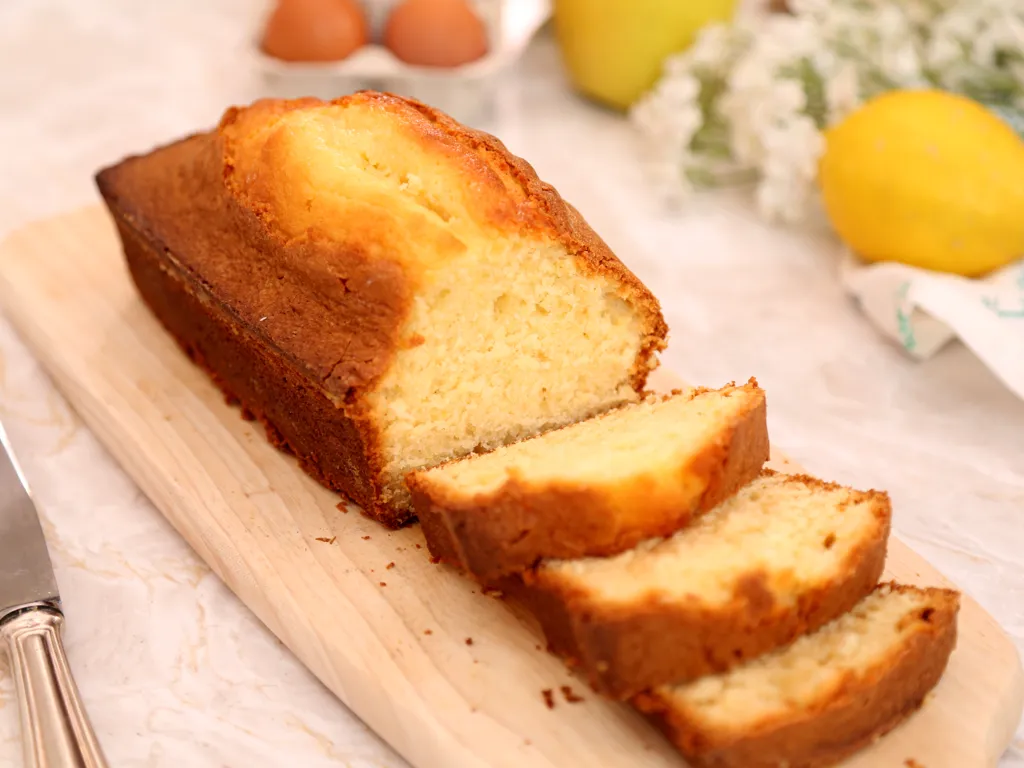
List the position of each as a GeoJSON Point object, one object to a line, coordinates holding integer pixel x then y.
{"type": "Point", "coordinates": [255, 518]}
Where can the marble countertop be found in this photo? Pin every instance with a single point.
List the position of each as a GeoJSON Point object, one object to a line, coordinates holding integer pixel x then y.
{"type": "Point", "coordinates": [175, 670]}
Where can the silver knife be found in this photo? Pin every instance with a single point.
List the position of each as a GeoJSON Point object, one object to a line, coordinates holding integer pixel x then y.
{"type": "Point", "coordinates": [55, 728]}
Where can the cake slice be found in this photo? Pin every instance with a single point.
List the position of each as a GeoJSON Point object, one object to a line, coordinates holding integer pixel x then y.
{"type": "Point", "coordinates": [783, 556]}
{"type": "Point", "coordinates": [596, 487]}
{"type": "Point", "coordinates": [822, 698]}
{"type": "Point", "coordinates": [383, 288]}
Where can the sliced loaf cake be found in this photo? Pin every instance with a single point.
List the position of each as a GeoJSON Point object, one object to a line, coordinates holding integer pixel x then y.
{"type": "Point", "coordinates": [822, 698]}
{"type": "Point", "coordinates": [783, 556]}
{"type": "Point", "coordinates": [383, 288]}
{"type": "Point", "coordinates": [594, 488]}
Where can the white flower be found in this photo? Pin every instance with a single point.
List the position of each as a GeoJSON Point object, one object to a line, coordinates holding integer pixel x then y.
{"type": "Point", "coordinates": [670, 114]}
{"type": "Point", "coordinates": [842, 92]}
{"type": "Point", "coordinates": [943, 50]}
{"type": "Point", "coordinates": [746, 142]}
{"type": "Point", "coordinates": [815, 8]}
{"type": "Point", "coordinates": [902, 65]}
{"type": "Point", "coordinates": [776, 80]}
{"type": "Point", "coordinates": [714, 47]}
{"type": "Point", "coordinates": [792, 152]}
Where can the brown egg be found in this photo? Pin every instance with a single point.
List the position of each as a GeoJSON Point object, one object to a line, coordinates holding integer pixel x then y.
{"type": "Point", "coordinates": [435, 33]}
{"type": "Point", "coordinates": [315, 30]}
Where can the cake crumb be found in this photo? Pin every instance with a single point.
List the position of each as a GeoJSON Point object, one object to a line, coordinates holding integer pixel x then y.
{"type": "Point", "coordinates": [389, 566]}
{"type": "Point", "coordinates": [912, 763]}
{"type": "Point", "coordinates": [418, 546]}
{"type": "Point", "coordinates": [435, 561]}
{"type": "Point", "coordinates": [342, 507]}
{"type": "Point", "coordinates": [549, 697]}
{"type": "Point", "coordinates": [428, 631]}
{"type": "Point", "coordinates": [383, 583]}
{"type": "Point", "coordinates": [326, 540]}
{"type": "Point", "coordinates": [570, 695]}
{"type": "Point", "coordinates": [469, 641]}
{"type": "Point", "coordinates": [539, 647]}
{"type": "Point", "coordinates": [366, 538]}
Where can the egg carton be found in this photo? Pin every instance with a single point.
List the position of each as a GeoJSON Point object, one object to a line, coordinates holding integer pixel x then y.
{"type": "Point", "coordinates": [466, 92]}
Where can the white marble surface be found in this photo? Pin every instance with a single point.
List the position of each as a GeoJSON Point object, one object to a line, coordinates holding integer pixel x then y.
{"type": "Point", "coordinates": [174, 669]}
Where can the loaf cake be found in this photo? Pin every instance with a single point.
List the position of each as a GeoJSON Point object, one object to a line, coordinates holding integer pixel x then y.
{"type": "Point", "coordinates": [598, 487]}
{"type": "Point", "coordinates": [822, 698]}
{"type": "Point", "coordinates": [383, 288]}
{"type": "Point", "coordinates": [783, 556]}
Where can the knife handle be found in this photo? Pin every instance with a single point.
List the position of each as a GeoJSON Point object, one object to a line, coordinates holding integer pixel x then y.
{"type": "Point", "coordinates": [55, 728]}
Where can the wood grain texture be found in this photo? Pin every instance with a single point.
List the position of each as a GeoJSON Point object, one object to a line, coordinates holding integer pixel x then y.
{"type": "Point", "coordinates": [390, 642]}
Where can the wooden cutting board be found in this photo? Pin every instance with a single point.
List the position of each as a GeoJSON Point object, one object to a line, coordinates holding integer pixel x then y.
{"type": "Point", "coordinates": [391, 642]}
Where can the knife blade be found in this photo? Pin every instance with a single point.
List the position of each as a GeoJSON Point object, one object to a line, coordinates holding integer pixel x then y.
{"type": "Point", "coordinates": [56, 732]}
{"type": "Point", "coordinates": [26, 574]}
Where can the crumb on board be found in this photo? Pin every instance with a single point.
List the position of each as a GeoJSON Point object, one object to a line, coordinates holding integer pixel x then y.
{"type": "Point", "coordinates": [428, 631]}
{"type": "Point", "coordinates": [539, 647]}
{"type": "Point", "coordinates": [419, 546]}
{"type": "Point", "coordinates": [366, 538]}
{"type": "Point", "coordinates": [469, 641]}
{"type": "Point", "coordinates": [325, 540]}
{"type": "Point", "coordinates": [389, 566]}
{"type": "Point", "coordinates": [549, 697]}
{"type": "Point", "coordinates": [912, 763]}
{"type": "Point", "coordinates": [342, 506]}
{"type": "Point", "coordinates": [383, 583]}
{"type": "Point", "coordinates": [570, 695]}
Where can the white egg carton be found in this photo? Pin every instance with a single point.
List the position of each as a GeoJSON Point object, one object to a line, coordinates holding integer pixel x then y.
{"type": "Point", "coordinates": [467, 92]}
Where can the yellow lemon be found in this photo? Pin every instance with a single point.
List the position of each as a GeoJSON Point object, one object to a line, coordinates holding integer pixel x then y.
{"type": "Point", "coordinates": [926, 178]}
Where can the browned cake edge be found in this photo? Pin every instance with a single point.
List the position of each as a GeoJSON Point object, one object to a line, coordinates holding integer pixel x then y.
{"type": "Point", "coordinates": [494, 534]}
{"type": "Point", "coordinates": [329, 444]}
{"type": "Point", "coordinates": [859, 711]}
{"type": "Point", "coordinates": [624, 649]}
{"type": "Point", "coordinates": [200, 281]}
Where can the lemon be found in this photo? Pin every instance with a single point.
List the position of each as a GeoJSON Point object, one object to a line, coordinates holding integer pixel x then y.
{"type": "Point", "coordinates": [926, 178]}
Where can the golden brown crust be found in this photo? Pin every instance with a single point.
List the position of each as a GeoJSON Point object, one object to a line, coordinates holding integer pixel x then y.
{"type": "Point", "coordinates": [249, 372]}
{"type": "Point", "coordinates": [624, 649]}
{"type": "Point", "coordinates": [859, 710]}
{"type": "Point", "coordinates": [505, 191]}
{"type": "Point", "coordinates": [322, 314]}
{"type": "Point", "coordinates": [492, 535]}
{"type": "Point", "coordinates": [272, 309]}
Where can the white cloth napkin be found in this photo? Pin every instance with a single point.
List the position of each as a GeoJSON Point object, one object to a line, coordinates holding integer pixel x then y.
{"type": "Point", "coordinates": [924, 310]}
